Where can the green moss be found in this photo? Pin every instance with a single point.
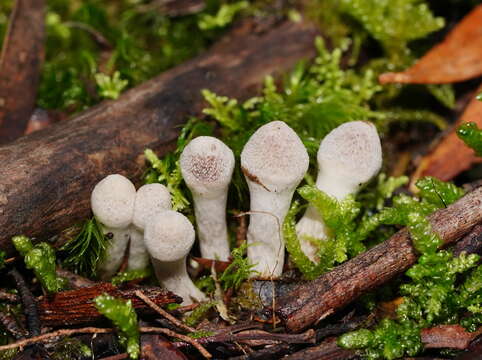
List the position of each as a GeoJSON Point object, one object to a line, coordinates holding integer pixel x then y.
{"type": "Point", "coordinates": [238, 271]}
{"type": "Point", "coordinates": [86, 249]}
{"type": "Point", "coordinates": [472, 136]}
{"type": "Point", "coordinates": [124, 317]}
{"type": "Point", "coordinates": [40, 258]}
{"type": "Point", "coordinates": [199, 313]}
{"type": "Point", "coordinates": [130, 275]}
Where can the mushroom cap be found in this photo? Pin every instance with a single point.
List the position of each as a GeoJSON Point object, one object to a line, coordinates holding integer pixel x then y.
{"type": "Point", "coordinates": [151, 199]}
{"type": "Point", "coordinates": [169, 236]}
{"type": "Point", "coordinates": [207, 165]}
{"type": "Point", "coordinates": [352, 152]}
{"type": "Point", "coordinates": [112, 201]}
{"type": "Point", "coordinates": [274, 157]}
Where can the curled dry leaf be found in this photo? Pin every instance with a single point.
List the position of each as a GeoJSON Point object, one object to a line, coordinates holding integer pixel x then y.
{"type": "Point", "coordinates": [457, 58]}
{"type": "Point", "coordinates": [451, 156]}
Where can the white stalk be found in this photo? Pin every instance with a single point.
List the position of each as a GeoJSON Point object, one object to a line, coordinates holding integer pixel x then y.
{"type": "Point", "coordinates": [174, 277]}
{"type": "Point", "coordinates": [211, 226]}
{"type": "Point", "coordinates": [114, 255]}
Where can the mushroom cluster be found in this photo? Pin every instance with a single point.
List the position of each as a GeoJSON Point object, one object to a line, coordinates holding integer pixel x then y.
{"type": "Point", "coordinates": [274, 161]}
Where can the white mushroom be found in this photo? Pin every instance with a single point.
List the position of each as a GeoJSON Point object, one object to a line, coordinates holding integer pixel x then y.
{"type": "Point", "coordinates": [169, 237]}
{"type": "Point", "coordinates": [207, 167]}
{"type": "Point", "coordinates": [348, 157]}
{"type": "Point", "coordinates": [274, 162]}
{"type": "Point", "coordinates": [151, 199]}
{"type": "Point", "coordinates": [112, 202]}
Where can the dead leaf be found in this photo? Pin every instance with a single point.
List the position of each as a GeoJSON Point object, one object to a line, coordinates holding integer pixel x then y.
{"type": "Point", "coordinates": [457, 58]}
{"type": "Point", "coordinates": [451, 156]}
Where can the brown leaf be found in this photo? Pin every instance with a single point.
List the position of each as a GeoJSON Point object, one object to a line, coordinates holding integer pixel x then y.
{"type": "Point", "coordinates": [451, 156]}
{"type": "Point", "coordinates": [457, 58]}
{"type": "Point", "coordinates": [219, 266]}
{"type": "Point", "coordinates": [157, 347]}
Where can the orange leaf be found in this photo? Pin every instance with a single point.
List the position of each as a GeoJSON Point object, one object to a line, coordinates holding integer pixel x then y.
{"type": "Point", "coordinates": [457, 58]}
{"type": "Point", "coordinates": [451, 156]}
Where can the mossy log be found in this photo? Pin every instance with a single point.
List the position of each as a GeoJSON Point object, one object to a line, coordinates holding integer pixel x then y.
{"type": "Point", "coordinates": [47, 177]}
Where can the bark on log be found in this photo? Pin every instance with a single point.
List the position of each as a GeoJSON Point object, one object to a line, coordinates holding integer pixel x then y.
{"type": "Point", "coordinates": [76, 307]}
{"type": "Point", "coordinates": [20, 62]}
{"type": "Point", "coordinates": [47, 176]}
{"type": "Point", "coordinates": [314, 300]}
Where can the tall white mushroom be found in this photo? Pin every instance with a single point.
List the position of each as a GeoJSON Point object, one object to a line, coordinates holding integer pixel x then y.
{"type": "Point", "coordinates": [112, 203]}
{"type": "Point", "coordinates": [169, 237]}
{"type": "Point", "coordinates": [274, 162]}
{"type": "Point", "coordinates": [207, 167]}
{"type": "Point", "coordinates": [151, 199]}
{"type": "Point", "coordinates": [348, 157]}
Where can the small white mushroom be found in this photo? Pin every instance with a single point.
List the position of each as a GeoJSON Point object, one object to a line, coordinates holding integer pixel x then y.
{"type": "Point", "coordinates": [151, 199]}
{"type": "Point", "coordinates": [169, 237]}
{"type": "Point", "coordinates": [274, 162]}
{"type": "Point", "coordinates": [348, 157]}
{"type": "Point", "coordinates": [112, 203]}
{"type": "Point", "coordinates": [207, 167]}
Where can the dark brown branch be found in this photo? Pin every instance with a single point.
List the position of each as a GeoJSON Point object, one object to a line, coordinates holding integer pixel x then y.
{"type": "Point", "coordinates": [155, 347]}
{"type": "Point", "coordinates": [47, 176]}
{"type": "Point", "coordinates": [20, 62]}
{"type": "Point", "coordinates": [327, 350]}
{"type": "Point", "coordinates": [314, 300]}
{"type": "Point", "coordinates": [76, 307]}
{"type": "Point", "coordinates": [28, 302]}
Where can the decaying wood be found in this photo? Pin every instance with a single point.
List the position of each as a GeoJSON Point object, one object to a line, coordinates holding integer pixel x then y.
{"type": "Point", "coordinates": [47, 176]}
{"type": "Point", "coordinates": [76, 307]}
{"type": "Point", "coordinates": [457, 58]}
{"type": "Point", "coordinates": [451, 156]}
{"type": "Point", "coordinates": [448, 336]}
{"type": "Point", "coordinates": [314, 300]}
{"type": "Point", "coordinates": [20, 62]}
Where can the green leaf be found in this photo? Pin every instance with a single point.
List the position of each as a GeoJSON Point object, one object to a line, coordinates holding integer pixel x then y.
{"type": "Point", "coordinates": [238, 271]}
{"type": "Point", "coordinates": [110, 87]}
{"type": "Point", "coordinates": [223, 17]}
{"type": "Point", "coordinates": [471, 136]}
{"type": "Point", "coordinates": [437, 192]}
{"type": "Point", "coordinates": [124, 318]}
{"type": "Point", "coordinates": [40, 258]}
{"type": "Point", "coordinates": [130, 275]}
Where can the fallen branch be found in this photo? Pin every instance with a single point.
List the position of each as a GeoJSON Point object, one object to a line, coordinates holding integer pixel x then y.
{"type": "Point", "coordinates": [327, 350]}
{"type": "Point", "coordinates": [162, 312]}
{"type": "Point", "coordinates": [29, 304]}
{"type": "Point", "coordinates": [47, 176]}
{"type": "Point", "coordinates": [314, 300]}
{"type": "Point", "coordinates": [20, 63]}
{"type": "Point", "coordinates": [76, 307]}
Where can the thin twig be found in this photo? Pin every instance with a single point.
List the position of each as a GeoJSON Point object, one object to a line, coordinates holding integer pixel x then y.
{"type": "Point", "coordinates": [62, 332]}
{"type": "Point", "coordinates": [163, 312]}
{"type": "Point", "coordinates": [185, 338]}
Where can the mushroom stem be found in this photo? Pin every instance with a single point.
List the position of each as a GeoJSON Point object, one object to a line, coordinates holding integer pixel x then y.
{"type": "Point", "coordinates": [265, 238]}
{"type": "Point", "coordinates": [138, 255]}
{"type": "Point", "coordinates": [174, 277]}
{"type": "Point", "coordinates": [112, 260]}
{"type": "Point", "coordinates": [211, 226]}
